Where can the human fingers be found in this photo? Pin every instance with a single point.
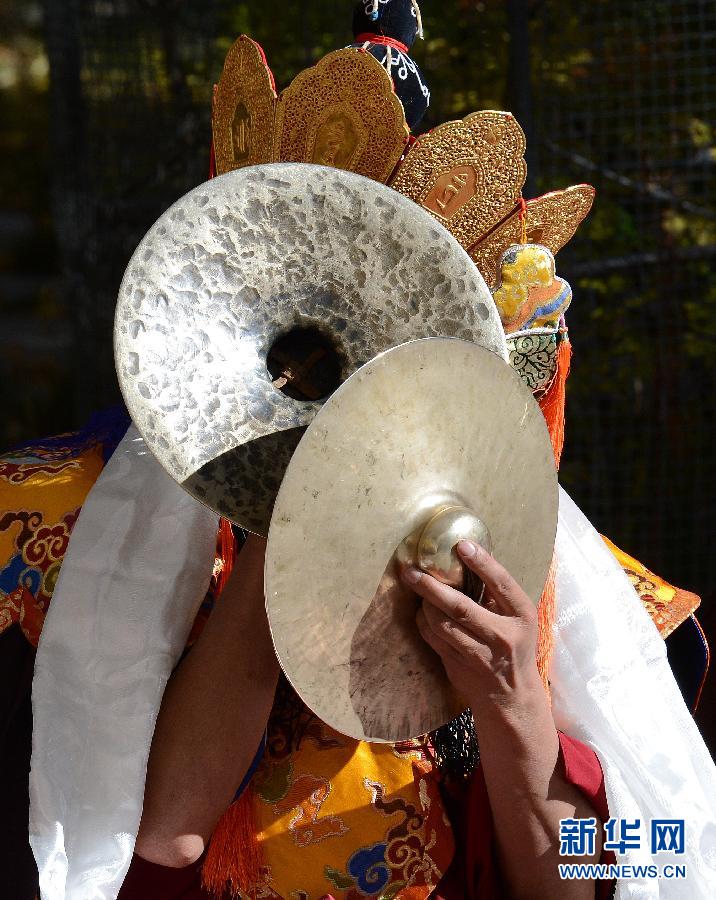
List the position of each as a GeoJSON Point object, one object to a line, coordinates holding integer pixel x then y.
{"type": "Point", "coordinates": [452, 603]}
{"type": "Point", "coordinates": [444, 649]}
{"type": "Point", "coordinates": [501, 587]}
{"type": "Point", "coordinates": [461, 640]}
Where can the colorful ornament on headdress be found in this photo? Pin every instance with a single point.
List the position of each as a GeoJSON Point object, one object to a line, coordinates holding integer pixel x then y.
{"type": "Point", "coordinates": [529, 294]}
{"type": "Point", "coordinates": [532, 300]}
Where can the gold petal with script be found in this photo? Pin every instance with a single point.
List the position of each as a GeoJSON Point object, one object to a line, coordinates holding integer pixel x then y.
{"type": "Point", "coordinates": [551, 221]}
{"type": "Point", "coordinates": [342, 112]}
{"type": "Point", "coordinates": [243, 112]}
{"type": "Point", "coordinates": [468, 174]}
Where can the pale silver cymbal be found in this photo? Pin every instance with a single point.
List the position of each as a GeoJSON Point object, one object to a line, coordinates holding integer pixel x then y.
{"type": "Point", "coordinates": [242, 260]}
{"type": "Point", "coordinates": [429, 424]}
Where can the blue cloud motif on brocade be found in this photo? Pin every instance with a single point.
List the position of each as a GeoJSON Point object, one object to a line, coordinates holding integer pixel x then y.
{"type": "Point", "coordinates": [369, 868]}
{"type": "Point", "coordinates": [17, 572]}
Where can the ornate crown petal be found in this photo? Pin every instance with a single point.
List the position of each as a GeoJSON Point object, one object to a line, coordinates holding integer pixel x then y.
{"type": "Point", "coordinates": [468, 174]}
{"type": "Point", "coordinates": [242, 120]}
{"type": "Point", "coordinates": [550, 220]}
{"type": "Point", "coordinates": [343, 112]}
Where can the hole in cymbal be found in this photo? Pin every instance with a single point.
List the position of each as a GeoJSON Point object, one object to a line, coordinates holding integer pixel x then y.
{"type": "Point", "coordinates": [304, 364]}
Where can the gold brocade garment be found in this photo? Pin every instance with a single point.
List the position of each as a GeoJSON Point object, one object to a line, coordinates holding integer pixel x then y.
{"type": "Point", "coordinates": [667, 605]}
{"type": "Point", "coordinates": [41, 492]}
{"type": "Point", "coordinates": [347, 818]}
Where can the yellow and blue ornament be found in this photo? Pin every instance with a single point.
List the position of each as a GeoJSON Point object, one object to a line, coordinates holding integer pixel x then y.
{"type": "Point", "coordinates": [530, 295]}
{"type": "Point", "coordinates": [532, 300]}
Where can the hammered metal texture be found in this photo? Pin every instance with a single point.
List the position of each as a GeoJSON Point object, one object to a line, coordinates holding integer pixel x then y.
{"type": "Point", "coordinates": [342, 112]}
{"type": "Point", "coordinates": [427, 423]}
{"type": "Point", "coordinates": [243, 110]}
{"type": "Point", "coordinates": [551, 220]}
{"type": "Point", "coordinates": [468, 174]}
{"type": "Point", "coordinates": [241, 260]}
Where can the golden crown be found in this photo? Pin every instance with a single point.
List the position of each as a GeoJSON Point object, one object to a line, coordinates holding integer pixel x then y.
{"type": "Point", "coordinates": [343, 112]}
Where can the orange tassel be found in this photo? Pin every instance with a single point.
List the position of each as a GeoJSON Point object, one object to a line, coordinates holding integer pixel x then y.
{"type": "Point", "coordinates": [553, 400]}
{"type": "Point", "coordinates": [233, 860]}
{"type": "Point", "coordinates": [546, 610]}
{"type": "Point", "coordinates": [226, 551]}
{"type": "Point", "coordinates": [552, 405]}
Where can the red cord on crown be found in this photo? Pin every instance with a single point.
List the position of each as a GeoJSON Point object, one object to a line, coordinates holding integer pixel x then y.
{"type": "Point", "coordinates": [367, 37]}
{"type": "Point", "coordinates": [523, 220]}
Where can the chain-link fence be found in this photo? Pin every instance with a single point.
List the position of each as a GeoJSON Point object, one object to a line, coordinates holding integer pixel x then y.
{"type": "Point", "coordinates": [637, 120]}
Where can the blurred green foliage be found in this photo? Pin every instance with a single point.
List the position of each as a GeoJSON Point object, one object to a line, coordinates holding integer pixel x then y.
{"type": "Point", "coordinates": [31, 304]}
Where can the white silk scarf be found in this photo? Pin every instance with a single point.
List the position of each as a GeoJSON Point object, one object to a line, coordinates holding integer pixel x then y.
{"type": "Point", "coordinates": [136, 570]}
{"type": "Point", "coordinates": [613, 688]}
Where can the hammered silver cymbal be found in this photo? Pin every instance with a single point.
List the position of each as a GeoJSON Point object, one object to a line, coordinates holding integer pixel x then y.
{"type": "Point", "coordinates": [245, 258]}
{"type": "Point", "coordinates": [429, 424]}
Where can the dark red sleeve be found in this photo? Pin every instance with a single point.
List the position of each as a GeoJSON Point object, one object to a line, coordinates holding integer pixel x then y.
{"type": "Point", "coordinates": [583, 769]}
{"type": "Point", "coordinates": [473, 872]}
{"type": "Point", "coordinates": [148, 881]}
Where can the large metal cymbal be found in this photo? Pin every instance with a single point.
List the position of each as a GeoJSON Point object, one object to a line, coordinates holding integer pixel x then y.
{"type": "Point", "coordinates": [243, 259]}
{"type": "Point", "coordinates": [431, 423]}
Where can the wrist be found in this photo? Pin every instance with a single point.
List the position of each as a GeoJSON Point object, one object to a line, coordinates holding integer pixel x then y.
{"type": "Point", "coordinates": [519, 747]}
{"type": "Point", "coordinates": [515, 715]}
{"type": "Point", "coordinates": [519, 693]}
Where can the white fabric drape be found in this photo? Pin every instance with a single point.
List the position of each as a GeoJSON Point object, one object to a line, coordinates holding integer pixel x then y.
{"type": "Point", "coordinates": [136, 570]}
{"type": "Point", "coordinates": [612, 688]}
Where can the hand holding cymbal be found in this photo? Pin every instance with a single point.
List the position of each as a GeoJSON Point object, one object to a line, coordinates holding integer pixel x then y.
{"type": "Point", "coordinates": [488, 650]}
